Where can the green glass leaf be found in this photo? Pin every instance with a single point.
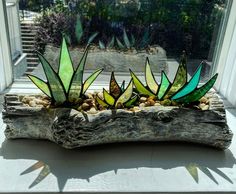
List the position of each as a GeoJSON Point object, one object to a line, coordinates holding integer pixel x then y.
{"type": "Point", "coordinates": [115, 89]}
{"type": "Point", "coordinates": [127, 94]}
{"type": "Point", "coordinates": [120, 45]}
{"type": "Point", "coordinates": [192, 169]}
{"type": "Point", "coordinates": [139, 86]}
{"type": "Point", "coordinates": [90, 80]}
{"type": "Point", "coordinates": [77, 80]}
{"type": "Point", "coordinates": [108, 98]}
{"type": "Point", "coordinates": [54, 82]}
{"type": "Point", "coordinates": [66, 68]}
{"type": "Point", "coordinates": [179, 81]}
{"type": "Point", "coordinates": [198, 93]}
{"type": "Point", "coordinates": [43, 86]}
{"type": "Point", "coordinates": [101, 102]}
{"type": "Point", "coordinates": [150, 80]}
{"type": "Point", "coordinates": [192, 84]}
{"type": "Point", "coordinates": [165, 83]}
{"type": "Point", "coordinates": [130, 102]}
{"type": "Point", "coordinates": [126, 39]}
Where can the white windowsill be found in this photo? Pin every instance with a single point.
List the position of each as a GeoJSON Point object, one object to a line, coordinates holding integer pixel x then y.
{"type": "Point", "coordinates": [119, 168]}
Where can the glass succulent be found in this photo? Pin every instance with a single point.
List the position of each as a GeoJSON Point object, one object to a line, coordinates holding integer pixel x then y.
{"type": "Point", "coordinates": [118, 96]}
{"type": "Point", "coordinates": [180, 91]}
{"type": "Point", "coordinates": [65, 86]}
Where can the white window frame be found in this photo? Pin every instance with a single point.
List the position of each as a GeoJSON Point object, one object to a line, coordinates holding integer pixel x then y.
{"type": "Point", "coordinates": [6, 72]}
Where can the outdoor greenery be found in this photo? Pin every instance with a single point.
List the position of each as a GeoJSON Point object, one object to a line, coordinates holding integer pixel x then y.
{"type": "Point", "coordinates": [66, 86]}
{"type": "Point", "coordinates": [175, 25]}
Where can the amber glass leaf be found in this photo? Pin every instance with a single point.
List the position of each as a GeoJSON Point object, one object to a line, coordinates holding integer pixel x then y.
{"type": "Point", "coordinates": [179, 81]}
{"type": "Point", "coordinates": [101, 102]}
{"type": "Point", "coordinates": [126, 95]}
{"type": "Point", "coordinates": [115, 89]}
{"type": "Point", "coordinates": [90, 80]}
{"type": "Point", "coordinates": [198, 93]}
{"type": "Point", "coordinates": [139, 86]}
{"type": "Point", "coordinates": [130, 102]}
{"type": "Point", "coordinates": [54, 82]}
{"type": "Point", "coordinates": [66, 68]}
{"type": "Point", "coordinates": [43, 86]}
{"type": "Point", "coordinates": [77, 80]}
{"type": "Point", "coordinates": [165, 83]}
{"type": "Point", "coordinates": [150, 80]}
{"type": "Point", "coordinates": [192, 84]}
{"type": "Point", "coordinates": [108, 98]}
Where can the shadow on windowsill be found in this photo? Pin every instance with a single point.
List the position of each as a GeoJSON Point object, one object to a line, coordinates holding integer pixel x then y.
{"type": "Point", "coordinates": [87, 162]}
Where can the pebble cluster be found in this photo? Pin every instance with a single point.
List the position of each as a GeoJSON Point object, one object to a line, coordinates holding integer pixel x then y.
{"type": "Point", "coordinates": [91, 106]}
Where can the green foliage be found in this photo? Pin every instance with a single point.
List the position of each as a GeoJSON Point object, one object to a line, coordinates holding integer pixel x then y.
{"type": "Point", "coordinates": [65, 86]}
{"type": "Point", "coordinates": [181, 90]}
{"type": "Point", "coordinates": [117, 97]}
{"type": "Point", "coordinates": [78, 29]}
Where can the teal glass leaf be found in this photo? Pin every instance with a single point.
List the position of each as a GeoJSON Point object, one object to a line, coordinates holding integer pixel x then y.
{"type": "Point", "coordinates": [198, 93]}
{"type": "Point", "coordinates": [43, 86]}
{"type": "Point", "coordinates": [66, 68]}
{"type": "Point", "coordinates": [165, 83]}
{"type": "Point", "coordinates": [54, 82]}
{"type": "Point", "coordinates": [150, 80]}
{"type": "Point", "coordinates": [122, 87]}
{"type": "Point", "coordinates": [90, 80]}
{"type": "Point", "coordinates": [77, 80]}
{"type": "Point", "coordinates": [190, 86]}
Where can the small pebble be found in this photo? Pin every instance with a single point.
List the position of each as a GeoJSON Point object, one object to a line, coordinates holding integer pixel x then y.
{"type": "Point", "coordinates": [151, 102]}
{"type": "Point", "coordinates": [157, 104]}
{"type": "Point", "coordinates": [92, 110]}
{"type": "Point", "coordinates": [203, 99]}
{"type": "Point", "coordinates": [32, 103]}
{"type": "Point", "coordinates": [89, 95]}
{"type": "Point", "coordinates": [143, 99]}
{"type": "Point", "coordinates": [142, 105]}
{"type": "Point", "coordinates": [85, 106]}
{"type": "Point", "coordinates": [89, 101]}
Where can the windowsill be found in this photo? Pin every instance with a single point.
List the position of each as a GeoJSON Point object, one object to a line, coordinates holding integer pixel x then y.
{"type": "Point", "coordinates": [135, 167]}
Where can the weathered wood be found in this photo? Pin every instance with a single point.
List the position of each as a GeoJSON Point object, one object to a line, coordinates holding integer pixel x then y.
{"type": "Point", "coordinates": [71, 128]}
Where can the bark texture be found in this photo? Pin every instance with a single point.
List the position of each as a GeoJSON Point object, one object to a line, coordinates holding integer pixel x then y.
{"type": "Point", "coordinates": [71, 128]}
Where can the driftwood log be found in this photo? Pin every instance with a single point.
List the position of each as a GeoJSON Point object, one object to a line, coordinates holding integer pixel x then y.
{"type": "Point", "coordinates": [71, 128]}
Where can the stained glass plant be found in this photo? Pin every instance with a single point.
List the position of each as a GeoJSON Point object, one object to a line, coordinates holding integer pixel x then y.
{"type": "Point", "coordinates": [118, 96]}
{"type": "Point", "coordinates": [65, 86]}
{"type": "Point", "coordinates": [180, 90]}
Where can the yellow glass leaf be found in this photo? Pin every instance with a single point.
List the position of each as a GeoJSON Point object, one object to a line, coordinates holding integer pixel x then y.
{"type": "Point", "coordinates": [90, 80]}
{"type": "Point", "coordinates": [43, 86]}
{"type": "Point", "coordinates": [108, 98]}
{"type": "Point", "coordinates": [101, 102]}
{"type": "Point", "coordinates": [139, 86]}
{"type": "Point", "coordinates": [192, 169]}
{"type": "Point", "coordinates": [126, 95]}
{"type": "Point", "coordinates": [150, 80]}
